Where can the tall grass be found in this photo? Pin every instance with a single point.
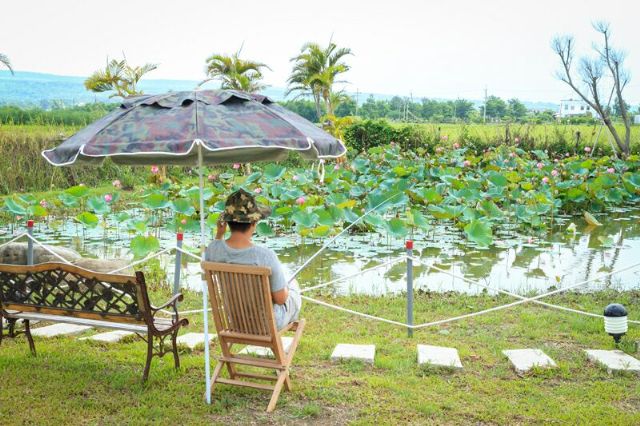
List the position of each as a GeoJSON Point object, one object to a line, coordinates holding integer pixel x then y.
{"type": "Point", "coordinates": [23, 169]}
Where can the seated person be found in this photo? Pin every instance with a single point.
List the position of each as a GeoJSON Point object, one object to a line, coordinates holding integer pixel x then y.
{"type": "Point", "coordinates": [241, 214]}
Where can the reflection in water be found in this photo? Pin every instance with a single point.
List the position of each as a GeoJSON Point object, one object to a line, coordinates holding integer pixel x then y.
{"type": "Point", "coordinates": [518, 262]}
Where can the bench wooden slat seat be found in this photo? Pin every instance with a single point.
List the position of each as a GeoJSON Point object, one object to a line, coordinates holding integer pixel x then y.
{"type": "Point", "coordinates": [57, 292]}
{"type": "Point", "coordinates": [243, 313]}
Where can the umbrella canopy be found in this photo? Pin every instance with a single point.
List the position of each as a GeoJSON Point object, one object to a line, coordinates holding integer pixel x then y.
{"type": "Point", "coordinates": [231, 126]}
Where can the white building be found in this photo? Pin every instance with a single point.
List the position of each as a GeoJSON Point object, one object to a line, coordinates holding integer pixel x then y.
{"type": "Point", "coordinates": [573, 107]}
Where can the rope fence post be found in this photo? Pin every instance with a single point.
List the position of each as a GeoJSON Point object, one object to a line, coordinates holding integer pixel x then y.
{"type": "Point", "coordinates": [30, 243]}
{"type": "Point", "coordinates": [176, 274]}
{"type": "Point", "coordinates": [409, 247]}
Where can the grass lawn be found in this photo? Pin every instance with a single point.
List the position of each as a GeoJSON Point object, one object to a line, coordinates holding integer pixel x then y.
{"type": "Point", "coordinates": [80, 382]}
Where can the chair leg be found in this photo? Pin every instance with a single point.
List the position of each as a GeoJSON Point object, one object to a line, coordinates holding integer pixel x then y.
{"type": "Point", "coordinates": [282, 375]}
{"type": "Point", "coordinates": [147, 366]}
{"type": "Point", "coordinates": [27, 332]}
{"type": "Point", "coordinates": [174, 343]}
{"type": "Point", "coordinates": [287, 382]}
{"type": "Point", "coordinates": [216, 373]}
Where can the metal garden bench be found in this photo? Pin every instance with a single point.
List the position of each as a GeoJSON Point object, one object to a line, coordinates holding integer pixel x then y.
{"type": "Point", "coordinates": [57, 292]}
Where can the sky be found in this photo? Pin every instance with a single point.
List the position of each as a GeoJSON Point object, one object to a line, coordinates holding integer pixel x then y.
{"type": "Point", "coordinates": [439, 49]}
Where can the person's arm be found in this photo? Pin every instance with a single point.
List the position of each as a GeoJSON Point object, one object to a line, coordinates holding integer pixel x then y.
{"type": "Point", "coordinates": [280, 297]}
{"type": "Point", "coordinates": [279, 288]}
{"type": "Point", "coordinates": [221, 229]}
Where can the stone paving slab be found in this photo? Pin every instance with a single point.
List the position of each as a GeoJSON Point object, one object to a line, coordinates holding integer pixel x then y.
{"type": "Point", "coordinates": [524, 360]}
{"type": "Point", "coordinates": [261, 351]}
{"type": "Point", "coordinates": [439, 356]}
{"type": "Point", "coordinates": [191, 340]}
{"type": "Point", "coordinates": [613, 360]}
{"type": "Point", "coordinates": [109, 336]}
{"type": "Point", "coordinates": [345, 351]}
{"type": "Point", "coordinates": [59, 330]}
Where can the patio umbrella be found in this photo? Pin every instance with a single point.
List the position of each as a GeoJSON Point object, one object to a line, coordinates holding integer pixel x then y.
{"type": "Point", "coordinates": [196, 127]}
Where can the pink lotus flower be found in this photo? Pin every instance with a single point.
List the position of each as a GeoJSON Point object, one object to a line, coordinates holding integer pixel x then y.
{"type": "Point", "coordinates": [43, 204]}
{"type": "Point", "coordinates": [108, 198]}
{"type": "Point", "coordinates": [517, 140]}
{"type": "Point", "coordinates": [566, 154]}
{"type": "Point", "coordinates": [445, 138]}
{"type": "Point", "coordinates": [540, 166]}
{"type": "Point", "coordinates": [512, 154]}
{"type": "Point", "coordinates": [466, 163]}
{"type": "Point", "coordinates": [117, 184]}
{"type": "Point", "coordinates": [183, 221]}
{"type": "Point", "coordinates": [545, 180]}
{"type": "Point", "coordinates": [211, 178]}
{"type": "Point", "coordinates": [236, 166]}
{"type": "Point", "coordinates": [294, 177]}
{"type": "Point", "coordinates": [456, 145]}
{"type": "Point", "coordinates": [300, 201]}
{"type": "Point", "coordinates": [611, 170]}
{"type": "Point", "coordinates": [530, 240]}
{"type": "Point", "coordinates": [155, 170]}
{"type": "Point", "coordinates": [336, 167]}
{"type": "Point", "coordinates": [322, 161]}
{"type": "Point", "coordinates": [439, 149]}
{"type": "Point", "coordinates": [587, 149]}
{"type": "Point", "coordinates": [258, 190]}
{"type": "Point", "coordinates": [555, 160]}
{"type": "Point", "coordinates": [554, 172]}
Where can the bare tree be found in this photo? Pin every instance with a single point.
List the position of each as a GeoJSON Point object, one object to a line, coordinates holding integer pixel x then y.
{"type": "Point", "coordinates": [608, 64]}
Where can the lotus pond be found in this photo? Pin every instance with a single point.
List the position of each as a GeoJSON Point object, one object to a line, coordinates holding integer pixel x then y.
{"type": "Point", "coordinates": [512, 220]}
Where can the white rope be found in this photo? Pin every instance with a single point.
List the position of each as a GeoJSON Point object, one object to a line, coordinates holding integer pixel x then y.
{"type": "Point", "coordinates": [45, 248]}
{"type": "Point", "coordinates": [13, 240]}
{"type": "Point", "coordinates": [146, 259]}
{"type": "Point", "coordinates": [339, 308]}
{"type": "Point", "coordinates": [390, 262]}
{"type": "Point", "coordinates": [183, 251]}
{"type": "Point", "coordinates": [548, 305]}
{"type": "Point", "coordinates": [327, 244]}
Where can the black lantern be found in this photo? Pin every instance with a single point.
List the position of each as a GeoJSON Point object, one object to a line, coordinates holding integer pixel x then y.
{"type": "Point", "coordinates": [615, 321]}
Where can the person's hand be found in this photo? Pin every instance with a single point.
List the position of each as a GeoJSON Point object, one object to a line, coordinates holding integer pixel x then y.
{"type": "Point", "coordinates": [221, 228]}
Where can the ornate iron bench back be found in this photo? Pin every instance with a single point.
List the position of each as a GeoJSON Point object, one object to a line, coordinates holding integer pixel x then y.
{"type": "Point", "coordinates": [60, 289]}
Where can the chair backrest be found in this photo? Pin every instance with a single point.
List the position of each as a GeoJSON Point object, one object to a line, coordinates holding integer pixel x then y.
{"type": "Point", "coordinates": [61, 289]}
{"type": "Point", "coordinates": [241, 299]}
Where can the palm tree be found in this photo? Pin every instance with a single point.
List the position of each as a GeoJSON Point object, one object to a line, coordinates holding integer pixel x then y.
{"type": "Point", "coordinates": [235, 73]}
{"type": "Point", "coordinates": [4, 60]}
{"type": "Point", "coordinates": [119, 77]}
{"type": "Point", "coordinates": [315, 71]}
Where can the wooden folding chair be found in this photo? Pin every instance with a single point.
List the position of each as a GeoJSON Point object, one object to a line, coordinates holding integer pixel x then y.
{"type": "Point", "coordinates": [243, 313]}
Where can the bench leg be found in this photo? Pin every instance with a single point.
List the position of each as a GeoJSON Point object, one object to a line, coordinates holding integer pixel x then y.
{"type": "Point", "coordinates": [27, 332]}
{"type": "Point", "coordinates": [174, 343]}
{"type": "Point", "coordinates": [147, 366]}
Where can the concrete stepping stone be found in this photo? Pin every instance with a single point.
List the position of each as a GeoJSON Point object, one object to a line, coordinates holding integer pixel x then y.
{"type": "Point", "coordinates": [345, 351]}
{"type": "Point", "coordinates": [191, 340]}
{"type": "Point", "coordinates": [613, 360]}
{"type": "Point", "coordinates": [109, 336]}
{"type": "Point", "coordinates": [439, 356]}
{"type": "Point", "coordinates": [261, 351]}
{"type": "Point", "coordinates": [59, 330]}
{"type": "Point", "coordinates": [524, 360]}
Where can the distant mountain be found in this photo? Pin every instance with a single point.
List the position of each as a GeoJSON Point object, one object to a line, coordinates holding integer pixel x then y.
{"type": "Point", "coordinates": [46, 90]}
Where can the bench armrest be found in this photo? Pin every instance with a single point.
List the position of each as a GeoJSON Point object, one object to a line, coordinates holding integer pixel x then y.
{"type": "Point", "coordinates": [172, 302]}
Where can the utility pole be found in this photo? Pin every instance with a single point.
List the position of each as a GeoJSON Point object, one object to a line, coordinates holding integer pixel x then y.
{"type": "Point", "coordinates": [484, 118]}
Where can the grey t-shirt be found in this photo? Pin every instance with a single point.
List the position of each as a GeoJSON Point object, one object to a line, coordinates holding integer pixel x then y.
{"type": "Point", "coordinates": [219, 251]}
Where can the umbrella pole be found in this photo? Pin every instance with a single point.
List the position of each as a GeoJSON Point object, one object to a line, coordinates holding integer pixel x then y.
{"type": "Point", "coordinates": [205, 313]}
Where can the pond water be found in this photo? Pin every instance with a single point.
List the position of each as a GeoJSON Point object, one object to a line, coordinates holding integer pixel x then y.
{"type": "Point", "coordinates": [519, 262]}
